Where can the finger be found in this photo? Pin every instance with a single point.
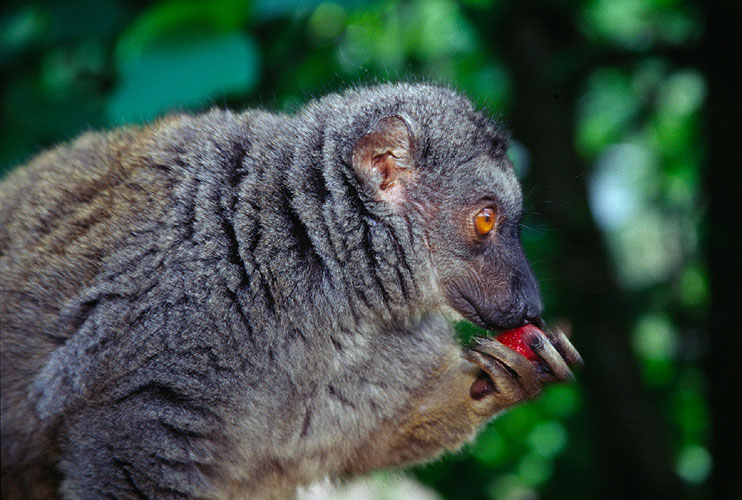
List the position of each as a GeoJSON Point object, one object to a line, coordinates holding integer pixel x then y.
{"type": "Point", "coordinates": [517, 365]}
{"type": "Point", "coordinates": [562, 324]}
{"type": "Point", "coordinates": [542, 347]}
{"type": "Point", "coordinates": [502, 383]}
{"type": "Point", "coordinates": [493, 370]}
{"type": "Point", "coordinates": [562, 344]}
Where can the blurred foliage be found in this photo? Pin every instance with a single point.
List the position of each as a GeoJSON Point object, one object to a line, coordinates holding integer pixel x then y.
{"type": "Point", "coordinates": [69, 66]}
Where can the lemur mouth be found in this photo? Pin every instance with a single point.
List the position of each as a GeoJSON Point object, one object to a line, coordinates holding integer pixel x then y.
{"type": "Point", "coordinates": [471, 312]}
{"type": "Point", "coordinates": [474, 307]}
{"type": "Point", "coordinates": [515, 337]}
{"type": "Point", "coordinates": [537, 322]}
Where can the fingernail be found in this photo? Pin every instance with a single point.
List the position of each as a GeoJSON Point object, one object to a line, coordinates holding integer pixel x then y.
{"type": "Point", "coordinates": [578, 359]}
{"type": "Point", "coordinates": [534, 342]}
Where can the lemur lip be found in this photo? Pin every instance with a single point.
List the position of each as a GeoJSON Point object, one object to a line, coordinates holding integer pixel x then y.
{"type": "Point", "coordinates": [537, 322]}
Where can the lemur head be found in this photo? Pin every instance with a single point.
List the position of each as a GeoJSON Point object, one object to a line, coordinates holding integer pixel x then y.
{"type": "Point", "coordinates": [445, 167]}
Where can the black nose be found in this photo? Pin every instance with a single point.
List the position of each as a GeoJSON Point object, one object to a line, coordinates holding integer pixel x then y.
{"type": "Point", "coordinates": [535, 321]}
{"type": "Point", "coordinates": [531, 297]}
{"type": "Point", "coordinates": [525, 291]}
{"type": "Point", "coordinates": [532, 313]}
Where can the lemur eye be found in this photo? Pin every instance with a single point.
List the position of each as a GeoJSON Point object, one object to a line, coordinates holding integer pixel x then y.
{"type": "Point", "coordinates": [484, 221]}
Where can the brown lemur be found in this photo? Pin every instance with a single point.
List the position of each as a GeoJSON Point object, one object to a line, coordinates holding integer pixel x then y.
{"type": "Point", "coordinates": [230, 305]}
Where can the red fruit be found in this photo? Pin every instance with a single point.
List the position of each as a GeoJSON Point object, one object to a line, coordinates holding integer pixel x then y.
{"type": "Point", "coordinates": [514, 340]}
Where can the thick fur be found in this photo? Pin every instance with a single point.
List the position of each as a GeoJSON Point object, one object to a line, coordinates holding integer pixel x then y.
{"type": "Point", "coordinates": [221, 306]}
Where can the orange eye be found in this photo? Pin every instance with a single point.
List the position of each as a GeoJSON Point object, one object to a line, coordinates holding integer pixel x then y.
{"type": "Point", "coordinates": [484, 221]}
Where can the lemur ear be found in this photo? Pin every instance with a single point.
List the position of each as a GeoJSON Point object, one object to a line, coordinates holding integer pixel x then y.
{"type": "Point", "coordinates": [382, 158]}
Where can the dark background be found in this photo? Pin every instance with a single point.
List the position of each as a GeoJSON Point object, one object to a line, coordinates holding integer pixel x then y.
{"type": "Point", "coordinates": [624, 116]}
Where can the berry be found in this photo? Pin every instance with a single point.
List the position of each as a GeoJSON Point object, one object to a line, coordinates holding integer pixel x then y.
{"type": "Point", "coordinates": [514, 340]}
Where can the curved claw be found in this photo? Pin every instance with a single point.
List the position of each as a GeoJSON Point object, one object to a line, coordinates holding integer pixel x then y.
{"type": "Point", "coordinates": [557, 368]}
{"type": "Point", "coordinates": [562, 344]}
{"type": "Point", "coordinates": [502, 364]}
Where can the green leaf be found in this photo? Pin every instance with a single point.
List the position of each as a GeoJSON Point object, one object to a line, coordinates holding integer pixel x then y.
{"type": "Point", "coordinates": [182, 73]}
{"type": "Point", "coordinates": [185, 18]}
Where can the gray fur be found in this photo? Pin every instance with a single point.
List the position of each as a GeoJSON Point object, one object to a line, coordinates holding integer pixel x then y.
{"type": "Point", "coordinates": [265, 321]}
